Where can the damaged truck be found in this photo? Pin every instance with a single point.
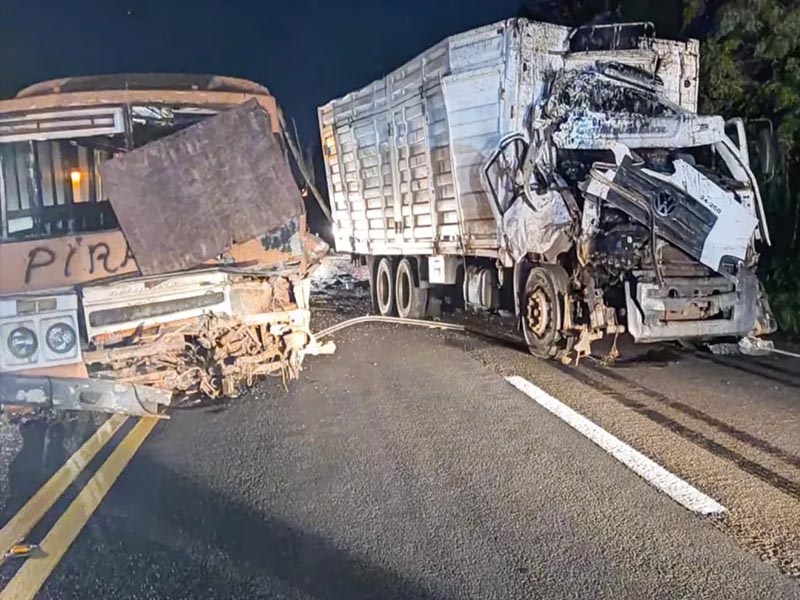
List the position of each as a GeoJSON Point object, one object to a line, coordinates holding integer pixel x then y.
{"type": "Point", "coordinates": [560, 173]}
{"type": "Point", "coordinates": [153, 244]}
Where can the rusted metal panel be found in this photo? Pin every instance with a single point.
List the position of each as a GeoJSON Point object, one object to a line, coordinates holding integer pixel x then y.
{"type": "Point", "coordinates": [255, 252]}
{"type": "Point", "coordinates": [142, 81]}
{"type": "Point", "coordinates": [63, 261]}
{"type": "Point", "coordinates": [280, 247]}
{"type": "Point", "coordinates": [81, 394]}
{"type": "Point", "coordinates": [211, 99]}
{"type": "Point", "coordinates": [188, 197]}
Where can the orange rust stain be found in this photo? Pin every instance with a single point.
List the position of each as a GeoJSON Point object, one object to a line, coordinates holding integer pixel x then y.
{"type": "Point", "coordinates": [63, 261]}
{"type": "Point", "coordinates": [78, 370]}
{"type": "Point", "coordinates": [168, 97]}
{"type": "Point", "coordinates": [253, 251]}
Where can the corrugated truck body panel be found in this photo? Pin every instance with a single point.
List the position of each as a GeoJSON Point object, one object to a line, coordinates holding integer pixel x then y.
{"type": "Point", "coordinates": [404, 155]}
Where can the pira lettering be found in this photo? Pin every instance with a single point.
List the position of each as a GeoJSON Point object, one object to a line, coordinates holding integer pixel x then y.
{"type": "Point", "coordinates": [128, 257]}
{"type": "Point", "coordinates": [37, 258]}
{"type": "Point", "coordinates": [70, 254]}
{"type": "Point", "coordinates": [100, 252]}
{"type": "Point", "coordinates": [75, 259]}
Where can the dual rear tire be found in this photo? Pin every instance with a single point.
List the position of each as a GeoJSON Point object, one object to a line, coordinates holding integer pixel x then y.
{"type": "Point", "coordinates": [397, 288]}
{"type": "Point", "coordinates": [397, 291]}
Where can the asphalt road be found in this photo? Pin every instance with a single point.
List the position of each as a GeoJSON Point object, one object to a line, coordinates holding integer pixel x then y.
{"type": "Point", "coordinates": [404, 466]}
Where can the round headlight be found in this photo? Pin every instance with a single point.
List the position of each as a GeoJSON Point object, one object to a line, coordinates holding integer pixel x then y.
{"type": "Point", "coordinates": [22, 342]}
{"type": "Point", "coordinates": [60, 338]}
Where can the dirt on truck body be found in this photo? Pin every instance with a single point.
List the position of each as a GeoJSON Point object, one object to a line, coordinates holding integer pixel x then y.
{"type": "Point", "coordinates": [153, 243]}
{"type": "Point", "coordinates": [561, 173]}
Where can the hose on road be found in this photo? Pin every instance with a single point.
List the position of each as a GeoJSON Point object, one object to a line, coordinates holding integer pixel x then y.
{"type": "Point", "coordinates": [454, 327]}
{"type": "Point", "coordinates": [394, 320]}
{"type": "Point", "coordinates": [783, 352]}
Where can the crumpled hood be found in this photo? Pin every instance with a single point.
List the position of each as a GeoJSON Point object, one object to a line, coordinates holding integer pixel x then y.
{"type": "Point", "coordinates": [685, 208]}
{"type": "Point", "coordinates": [600, 131]}
{"type": "Point", "coordinates": [608, 103]}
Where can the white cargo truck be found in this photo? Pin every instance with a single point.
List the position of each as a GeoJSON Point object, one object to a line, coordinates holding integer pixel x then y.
{"type": "Point", "coordinates": [562, 172]}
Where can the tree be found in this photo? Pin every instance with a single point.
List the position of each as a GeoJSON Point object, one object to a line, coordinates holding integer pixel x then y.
{"type": "Point", "coordinates": [666, 15]}
{"type": "Point", "coordinates": [751, 68]}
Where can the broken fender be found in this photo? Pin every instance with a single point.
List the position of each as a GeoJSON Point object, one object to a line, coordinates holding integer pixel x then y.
{"type": "Point", "coordinates": [685, 208]}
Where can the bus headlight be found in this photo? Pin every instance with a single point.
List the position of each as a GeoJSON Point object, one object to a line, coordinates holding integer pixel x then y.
{"type": "Point", "coordinates": [22, 342]}
{"type": "Point", "coordinates": [61, 338]}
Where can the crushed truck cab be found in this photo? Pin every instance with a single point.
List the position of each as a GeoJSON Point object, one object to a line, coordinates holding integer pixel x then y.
{"type": "Point", "coordinates": [153, 244]}
{"type": "Point", "coordinates": [564, 169]}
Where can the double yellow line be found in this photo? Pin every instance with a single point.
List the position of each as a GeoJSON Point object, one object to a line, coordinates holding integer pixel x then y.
{"type": "Point", "coordinates": [35, 571]}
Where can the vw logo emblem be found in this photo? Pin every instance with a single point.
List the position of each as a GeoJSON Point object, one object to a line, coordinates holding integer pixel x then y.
{"type": "Point", "coordinates": [664, 204]}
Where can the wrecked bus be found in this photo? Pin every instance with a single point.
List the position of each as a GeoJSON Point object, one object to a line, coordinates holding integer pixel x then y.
{"type": "Point", "coordinates": [153, 243]}
{"type": "Point", "coordinates": [562, 173]}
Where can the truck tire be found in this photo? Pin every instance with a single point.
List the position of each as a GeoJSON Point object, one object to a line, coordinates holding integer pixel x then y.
{"type": "Point", "coordinates": [410, 298]}
{"type": "Point", "coordinates": [542, 316]}
{"type": "Point", "coordinates": [384, 287]}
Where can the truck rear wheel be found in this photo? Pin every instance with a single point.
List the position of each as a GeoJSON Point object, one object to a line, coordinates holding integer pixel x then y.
{"type": "Point", "coordinates": [542, 316]}
{"type": "Point", "coordinates": [384, 287]}
{"type": "Point", "coordinates": [411, 299]}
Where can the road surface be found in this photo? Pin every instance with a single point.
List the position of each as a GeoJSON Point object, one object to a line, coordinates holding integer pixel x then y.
{"type": "Point", "coordinates": [405, 466]}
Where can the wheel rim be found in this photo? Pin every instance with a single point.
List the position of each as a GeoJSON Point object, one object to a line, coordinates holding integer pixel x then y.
{"type": "Point", "coordinates": [539, 312]}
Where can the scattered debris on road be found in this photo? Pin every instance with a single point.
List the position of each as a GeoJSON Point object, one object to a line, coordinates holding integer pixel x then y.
{"type": "Point", "coordinates": [749, 346]}
{"type": "Point", "coordinates": [21, 551]}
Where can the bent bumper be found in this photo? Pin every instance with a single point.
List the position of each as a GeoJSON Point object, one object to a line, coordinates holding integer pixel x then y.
{"type": "Point", "coordinates": [647, 312]}
{"type": "Point", "coordinates": [96, 395]}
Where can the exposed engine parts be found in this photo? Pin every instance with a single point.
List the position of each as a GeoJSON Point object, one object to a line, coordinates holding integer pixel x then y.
{"type": "Point", "coordinates": [569, 162]}
{"type": "Point", "coordinates": [215, 354]}
{"type": "Point", "coordinates": [209, 358]}
{"type": "Point", "coordinates": [643, 205]}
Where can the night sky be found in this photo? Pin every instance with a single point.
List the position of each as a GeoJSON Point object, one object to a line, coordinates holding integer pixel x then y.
{"type": "Point", "coordinates": [305, 51]}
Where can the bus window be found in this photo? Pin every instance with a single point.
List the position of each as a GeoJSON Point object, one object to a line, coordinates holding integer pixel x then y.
{"type": "Point", "coordinates": [52, 188]}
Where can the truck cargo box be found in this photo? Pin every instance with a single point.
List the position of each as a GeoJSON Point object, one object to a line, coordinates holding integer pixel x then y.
{"type": "Point", "coordinates": [404, 155]}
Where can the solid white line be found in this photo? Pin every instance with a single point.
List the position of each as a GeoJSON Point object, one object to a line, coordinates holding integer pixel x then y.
{"type": "Point", "coordinates": [676, 488]}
